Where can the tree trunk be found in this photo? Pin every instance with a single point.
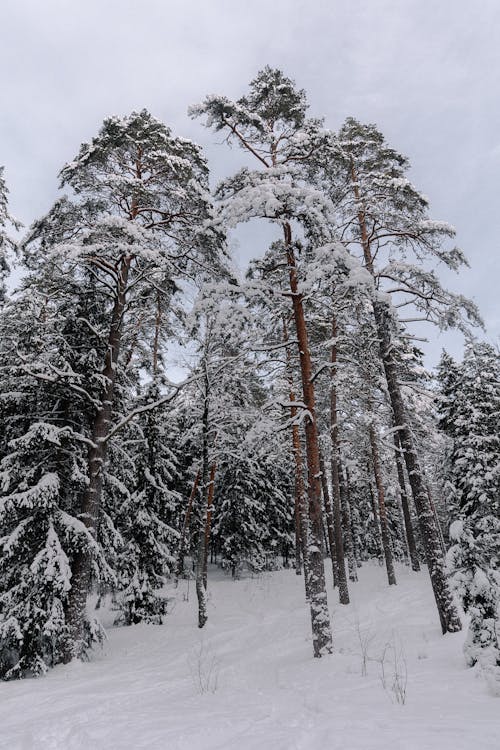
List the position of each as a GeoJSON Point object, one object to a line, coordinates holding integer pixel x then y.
{"type": "Point", "coordinates": [448, 614]}
{"type": "Point", "coordinates": [201, 592]}
{"type": "Point", "coordinates": [436, 518]}
{"type": "Point", "coordinates": [300, 509]}
{"type": "Point", "coordinates": [330, 523]}
{"type": "Point", "coordinates": [410, 537]}
{"type": "Point", "coordinates": [208, 522]}
{"type": "Point", "coordinates": [320, 617]}
{"type": "Point", "coordinates": [376, 525]}
{"type": "Point", "coordinates": [384, 526]}
{"type": "Point", "coordinates": [185, 526]}
{"type": "Point", "coordinates": [346, 517]}
{"type": "Point", "coordinates": [81, 566]}
{"type": "Point", "coordinates": [354, 521]}
{"type": "Point", "coordinates": [334, 468]}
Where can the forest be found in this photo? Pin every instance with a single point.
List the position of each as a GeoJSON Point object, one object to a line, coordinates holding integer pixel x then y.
{"type": "Point", "coordinates": [166, 417]}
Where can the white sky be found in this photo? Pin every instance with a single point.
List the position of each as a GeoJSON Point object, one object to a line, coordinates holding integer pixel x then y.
{"type": "Point", "coordinates": [426, 71]}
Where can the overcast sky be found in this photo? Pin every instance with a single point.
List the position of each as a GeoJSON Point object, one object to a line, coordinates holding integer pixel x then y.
{"type": "Point", "coordinates": [426, 71]}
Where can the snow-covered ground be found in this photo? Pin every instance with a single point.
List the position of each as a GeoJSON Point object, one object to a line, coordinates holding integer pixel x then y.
{"type": "Point", "coordinates": [248, 680]}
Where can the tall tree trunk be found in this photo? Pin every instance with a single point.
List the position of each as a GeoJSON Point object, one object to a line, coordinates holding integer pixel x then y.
{"type": "Point", "coordinates": [330, 523]}
{"type": "Point", "coordinates": [320, 617]}
{"type": "Point", "coordinates": [334, 469]}
{"type": "Point", "coordinates": [436, 518]}
{"type": "Point", "coordinates": [185, 526]}
{"type": "Point", "coordinates": [201, 592]}
{"type": "Point", "coordinates": [410, 537]}
{"type": "Point", "coordinates": [354, 521]}
{"type": "Point", "coordinates": [448, 614]}
{"type": "Point", "coordinates": [346, 517]}
{"type": "Point", "coordinates": [81, 566]}
{"type": "Point", "coordinates": [208, 522]}
{"type": "Point", "coordinates": [384, 526]}
{"type": "Point", "coordinates": [300, 508]}
{"type": "Point", "coordinates": [376, 525]}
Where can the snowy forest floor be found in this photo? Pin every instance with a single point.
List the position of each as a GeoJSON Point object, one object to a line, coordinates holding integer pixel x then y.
{"type": "Point", "coordinates": [248, 681]}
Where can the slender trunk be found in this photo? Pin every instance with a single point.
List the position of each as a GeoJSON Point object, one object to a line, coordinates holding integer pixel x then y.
{"type": "Point", "coordinates": [185, 526]}
{"type": "Point", "coordinates": [330, 523]}
{"type": "Point", "coordinates": [384, 526]}
{"type": "Point", "coordinates": [300, 508]}
{"type": "Point", "coordinates": [201, 592]}
{"type": "Point", "coordinates": [320, 618]}
{"type": "Point", "coordinates": [208, 522]}
{"type": "Point", "coordinates": [81, 567]}
{"type": "Point", "coordinates": [410, 537]}
{"type": "Point", "coordinates": [354, 521]}
{"type": "Point", "coordinates": [448, 614]}
{"type": "Point", "coordinates": [376, 525]}
{"type": "Point", "coordinates": [436, 518]}
{"type": "Point", "coordinates": [346, 517]}
{"type": "Point", "coordinates": [334, 468]}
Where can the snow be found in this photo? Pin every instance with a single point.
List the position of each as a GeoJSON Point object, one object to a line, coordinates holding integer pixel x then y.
{"type": "Point", "coordinates": [248, 680]}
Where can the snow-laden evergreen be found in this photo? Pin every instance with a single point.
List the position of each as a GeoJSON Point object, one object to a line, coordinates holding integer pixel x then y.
{"type": "Point", "coordinates": [469, 406]}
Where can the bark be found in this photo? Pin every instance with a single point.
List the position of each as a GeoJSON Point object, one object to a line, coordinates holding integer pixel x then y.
{"type": "Point", "coordinates": [320, 618]}
{"type": "Point", "coordinates": [347, 523]}
{"type": "Point", "coordinates": [81, 567]}
{"type": "Point", "coordinates": [185, 526]}
{"type": "Point", "coordinates": [410, 536]}
{"type": "Point", "coordinates": [330, 523]}
{"type": "Point", "coordinates": [201, 592]}
{"type": "Point", "coordinates": [354, 524]}
{"type": "Point", "coordinates": [334, 469]}
{"type": "Point", "coordinates": [208, 522]}
{"type": "Point", "coordinates": [376, 524]}
{"type": "Point", "coordinates": [300, 508]}
{"type": "Point", "coordinates": [436, 518]}
{"type": "Point", "coordinates": [384, 526]}
{"type": "Point", "coordinates": [448, 614]}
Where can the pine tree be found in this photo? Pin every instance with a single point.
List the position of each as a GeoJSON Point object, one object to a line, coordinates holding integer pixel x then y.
{"type": "Point", "coordinates": [382, 213]}
{"type": "Point", "coordinates": [139, 217]}
{"type": "Point", "coordinates": [270, 124]}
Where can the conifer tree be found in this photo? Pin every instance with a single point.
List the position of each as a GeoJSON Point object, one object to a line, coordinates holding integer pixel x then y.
{"type": "Point", "coordinates": [382, 213]}
{"type": "Point", "coordinates": [270, 124]}
{"type": "Point", "coordinates": [139, 216]}
{"type": "Point", "coordinates": [469, 407]}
